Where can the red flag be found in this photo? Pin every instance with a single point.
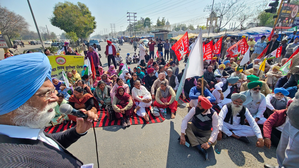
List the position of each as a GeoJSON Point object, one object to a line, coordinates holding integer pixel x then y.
{"type": "Point", "coordinates": [240, 47]}
{"type": "Point", "coordinates": [217, 46]}
{"type": "Point", "coordinates": [243, 47]}
{"type": "Point", "coordinates": [263, 52]}
{"type": "Point", "coordinates": [208, 51]}
{"type": "Point", "coordinates": [181, 47]}
{"type": "Point", "coordinates": [271, 34]}
{"type": "Point", "coordinates": [294, 53]}
{"type": "Point", "coordinates": [278, 52]}
{"type": "Point", "coordinates": [157, 54]}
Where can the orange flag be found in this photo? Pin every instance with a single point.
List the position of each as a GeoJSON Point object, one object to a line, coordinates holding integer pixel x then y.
{"type": "Point", "coordinates": [271, 34]}
{"type": "Point", "coordinates": [217, 46]}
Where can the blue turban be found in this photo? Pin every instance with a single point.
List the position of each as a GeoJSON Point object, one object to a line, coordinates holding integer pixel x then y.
{"type": "Point", "coordinates": [226, 62]}
{"type": "Point", "coordinates": [21, 76]}
{"type": "Point", "coordinates": [233, 79]}
{"type": "Point", "coordinates": [281, 90]}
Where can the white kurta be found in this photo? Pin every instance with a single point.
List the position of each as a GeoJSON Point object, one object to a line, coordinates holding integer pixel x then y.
{"type": "Point", "coordinates": [236, 127]}
{"type": "Point", "coordinates": [217, 95]}
{"type": "Point", "coordinates": [139, 95]}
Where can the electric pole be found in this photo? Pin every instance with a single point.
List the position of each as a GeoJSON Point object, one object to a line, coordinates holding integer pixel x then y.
{"type": "Point", "coordinates": [132, 18]}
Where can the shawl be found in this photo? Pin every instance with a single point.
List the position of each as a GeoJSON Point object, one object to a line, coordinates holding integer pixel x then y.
{"type": "Point", "coordinates": [141, 74]}
{"type": "Point", "coordinates": [107, 80]}
{"type": "Point", "coordinates": [111, 71]}
{"type": "Point", "coordinates": [124, 99]}
{"type": "Point", "coordinates": [101, 71]}
{"type": "Point", "coordinates": [102, 94]}
{"type": "Point", "coordinates": [81, 101]}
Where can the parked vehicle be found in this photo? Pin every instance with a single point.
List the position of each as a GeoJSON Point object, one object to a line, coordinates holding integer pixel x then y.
{"type": "Point", "coordinates": [91, 42]}
{"type": "Point", "coordinates": [48, 42]}
{"type": "Point", "coordinates": [32, 42]}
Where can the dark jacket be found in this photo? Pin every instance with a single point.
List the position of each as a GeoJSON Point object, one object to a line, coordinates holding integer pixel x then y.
{"type": "Point", "coordinates": [281, 81]}
{"type": "Point", "coordinates": [149, 81]}
{"type": "Point", "coordinates": [16, 152]}
{"type": "Point", "coordinates": [292, 81]}
{"type": "Point", "coordinates": [274, 46]}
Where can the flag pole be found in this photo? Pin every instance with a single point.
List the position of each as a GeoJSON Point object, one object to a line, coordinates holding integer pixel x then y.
{"type": "Point", "coordinates": [202, 85]}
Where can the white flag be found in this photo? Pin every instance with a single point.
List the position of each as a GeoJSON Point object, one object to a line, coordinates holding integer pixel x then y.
{"type": "Point", "coordinates": [122, 69]}
{"type": "Point", "coordinates": [246, 57]}
{"type": "Point", "coordinates": [195, 67]}
{"type": "Point", "coordinates": [87, 62]}
{"type": "Point", "coordinates": [66, 81]}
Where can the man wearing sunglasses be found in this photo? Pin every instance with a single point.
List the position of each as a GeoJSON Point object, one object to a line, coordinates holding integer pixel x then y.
{"type": "Point", "coordinates": [255, 101]}
{"type": "Point", "coordinates": [24, 112]}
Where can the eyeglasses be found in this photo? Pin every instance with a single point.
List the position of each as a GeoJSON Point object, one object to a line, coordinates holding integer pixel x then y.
{"type": "Point", "coordinates": [257, 89]}
{"type": "Point", "coordinates": [47, 95]}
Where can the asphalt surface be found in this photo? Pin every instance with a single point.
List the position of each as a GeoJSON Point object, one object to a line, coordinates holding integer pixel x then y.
{"type": "Point", "coordinates": [156, 145]}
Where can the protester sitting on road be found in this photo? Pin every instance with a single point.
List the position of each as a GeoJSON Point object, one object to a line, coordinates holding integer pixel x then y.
{"type": "Point", "coordinates": [210, 77]}
{"type": "Point", "coordinates": [232, 120]}
{"type": "Point", "coordinates": [26, 109]}
{"type": "Point", "coordinates": [81, 100]}
{"type": "Point", "coordinates": [47, 52]}
{"type": "Point", "coordinates": [250, 78]}
{"type": "Point", "coordinates": [139, 73]}
{"type": "Point", "coordinates": [63, 90]}
{"type": "Point", "coordinates": [111, 71]}
{"type": "Point", "coordinates": [59, 117]}
{"type": "Point", "coordinates": [274, 125]}
{"type": "Point", "coordinates": [281, 81]}
{"type": "Point", "coordinates": [195, 91]}
{"type": "Point", "coordinates": [102, 94]}
{"type": "Point", "coordinates": [273, 76]}
{"type": "Point", "coordinates": [255, 71]}
{"type": "Point", "coordinates": [221, 73]}
{"type": "Point", "coordinates": [223, 92]}
{"type": "Point", "coordinates": [149, 79]}
{"type": "Point", "coordinates": [56, 83]}
{"type": "Point", "coordinates": [238, 73]}
{"type": "Point", "coordinates": [142, 99]}
{"type": "Point", "coordinates": [76, 75]}
{"type": "Point", "coordinates": [71, 78]}
{"type": "Point", "coordinates": [70, 51]}
{"type": "Point", "coordinates": [118, 59]}
{"type": "Point", "coordinates": [165, 98]}
{"type": "Point", "coordinates": [198, 130]}
{"type": "Point", "coordinates": [255, 101]}
{"type": "Point", "coordinates": [85, 87]}
{"type": "Point", "coordinates": [276, 101]}
{"type": "Point", "coordinates": [131, 81]}
{"type": "Point", "coordinates": [123, 106]}
{"type": "Point", "coordinates": [172, 79]}
{"type": "Point", "coordinates": [157, 84]}
{"type": "Point", "coordinates": [118, 83]}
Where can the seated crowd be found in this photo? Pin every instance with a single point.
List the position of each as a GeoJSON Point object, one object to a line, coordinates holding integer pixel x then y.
{"type": "Point", "coordinates": [237, 101]}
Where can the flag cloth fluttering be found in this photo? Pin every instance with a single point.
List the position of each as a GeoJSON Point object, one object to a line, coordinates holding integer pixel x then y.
{"type": "Point", "coordinates": [246, 57]}
{"type": "Point", "coordinates": [195, 67]}
{"type": "Point", "coordinates": [208, 52]}
{"type": "Point", "coordinates": [240, 47]}
{"type": "Point", "coordinates": [122, 69]}
{"type": "Point", "coordinates": [217, 47]}
{"type": "Point", "coordinates": [66, 81]}
{"type": "Point", "coordinates": [181, 47]}
{"type": "Point", "coordinates": [263, 65]}
{"type": "Point", "coordinates": [271, 34]}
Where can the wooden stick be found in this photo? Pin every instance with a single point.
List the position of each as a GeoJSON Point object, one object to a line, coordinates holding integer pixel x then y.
{"type": "Point", "coordinates": [202, 85]}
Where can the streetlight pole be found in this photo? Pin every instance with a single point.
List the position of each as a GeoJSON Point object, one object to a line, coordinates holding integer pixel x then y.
{"type": "Point", "coordinates": [36, 25]}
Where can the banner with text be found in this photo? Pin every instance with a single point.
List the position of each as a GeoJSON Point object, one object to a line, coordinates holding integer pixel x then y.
{"type": "Point", "coordinates": [66, 63]}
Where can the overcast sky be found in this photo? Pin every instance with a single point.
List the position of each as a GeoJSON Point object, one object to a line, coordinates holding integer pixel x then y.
{"type": "Point", "coordinates": [115, 11]}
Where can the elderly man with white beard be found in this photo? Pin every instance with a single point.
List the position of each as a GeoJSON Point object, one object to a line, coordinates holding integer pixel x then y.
{"type": "Point", "coordinates": [27, 105]}
{"type": "Point", "coordinates": [232, 118]}
{"type": "Point", "coordinates": [255, 101]}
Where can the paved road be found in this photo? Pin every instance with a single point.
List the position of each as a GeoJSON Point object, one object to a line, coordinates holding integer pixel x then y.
{"type": "Point", "coordinates": [156, 145]}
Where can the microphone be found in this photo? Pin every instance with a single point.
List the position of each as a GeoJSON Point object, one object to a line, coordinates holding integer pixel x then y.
{"type": "Point", "coordinates": [68, 109]}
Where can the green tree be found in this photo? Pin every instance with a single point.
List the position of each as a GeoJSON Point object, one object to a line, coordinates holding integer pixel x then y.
{"type": "Point", "coordinates": [11, 23]}
{"type": "Point", "coordinates": [72, 36]}
{"type": "Point", "coordinates": [202, 27]}
{"type": "Point", "coordinates": [266, 19]}
{"type": "Point", "coordinates": [53, 35]}
{"type": "Point", "coordinates": [191, 27]}
{"type": "Point", "coordinates": [147, 22]}
{"type": "Point", "coordinates": [73, 18]}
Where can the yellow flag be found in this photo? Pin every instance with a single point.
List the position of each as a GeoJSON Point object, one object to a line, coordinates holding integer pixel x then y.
{"type": "Point", "coordinates": [263, 65]}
